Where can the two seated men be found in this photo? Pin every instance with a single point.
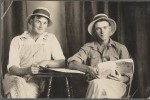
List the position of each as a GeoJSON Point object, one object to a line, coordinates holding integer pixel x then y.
{"type": "Point", "coordinates": [37, 47]}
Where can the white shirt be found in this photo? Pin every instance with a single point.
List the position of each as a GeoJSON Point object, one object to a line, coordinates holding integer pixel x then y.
{"type": "Point", "coordinates": [24, 51]}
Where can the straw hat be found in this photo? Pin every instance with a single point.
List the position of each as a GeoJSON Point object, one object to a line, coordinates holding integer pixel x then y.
{"type": "Point", "coordinates": [100, 17]}
{"type": "Point", "coordinates": [42, 11]}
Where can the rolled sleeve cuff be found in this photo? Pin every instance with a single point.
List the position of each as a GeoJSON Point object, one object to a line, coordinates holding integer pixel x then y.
{"type": "Point", "coordinates": [10, 65]}
{"type": "Point", "coordinates": [74, 59]}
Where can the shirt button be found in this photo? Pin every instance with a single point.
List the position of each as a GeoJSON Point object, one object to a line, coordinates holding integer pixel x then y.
{"type": "Point", "coordinates": [104, 59]}
{"type": "Point", "coordinates": [94, 56]}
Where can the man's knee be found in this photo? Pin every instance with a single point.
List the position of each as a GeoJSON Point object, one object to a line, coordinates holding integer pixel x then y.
{"type": "Point", "coordinates": [96, 81]}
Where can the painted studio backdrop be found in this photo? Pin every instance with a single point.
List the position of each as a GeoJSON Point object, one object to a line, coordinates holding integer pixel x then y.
{"type": "Point", "coordinates": [70, 21]}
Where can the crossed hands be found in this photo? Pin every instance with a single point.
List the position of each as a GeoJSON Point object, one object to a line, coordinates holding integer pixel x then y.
{"type": "Point", "coordinates": [35, 68]}
{"type": "Point", "coordinates": [115, 76]}
{"type": "Point", "coordinates": [92, 73]}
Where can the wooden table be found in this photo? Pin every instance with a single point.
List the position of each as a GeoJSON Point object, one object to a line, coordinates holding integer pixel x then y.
{"type": "Point", "coordinates": [50, 74]}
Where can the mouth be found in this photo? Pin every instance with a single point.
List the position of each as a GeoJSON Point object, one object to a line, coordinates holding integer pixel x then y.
{"type": "Point", "coordinates": [102, 35]}
{"type": "Point", "coordinates": [40, 29]}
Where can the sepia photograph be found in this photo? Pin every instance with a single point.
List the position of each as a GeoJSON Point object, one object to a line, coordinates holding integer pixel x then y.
{"type": "Point", "coordinates": [89, 49]}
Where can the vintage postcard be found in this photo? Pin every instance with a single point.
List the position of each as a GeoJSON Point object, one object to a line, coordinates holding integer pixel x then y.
{"type": "Point", "coordinates": [64, 48]}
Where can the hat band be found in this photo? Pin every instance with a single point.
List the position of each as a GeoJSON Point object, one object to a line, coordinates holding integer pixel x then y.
{"type": "Point", "coordinates": [100, 18]}
{"type": "Point", "coordinates": [42, 12]}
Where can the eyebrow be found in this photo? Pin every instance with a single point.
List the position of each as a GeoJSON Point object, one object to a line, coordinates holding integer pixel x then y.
{"type": "Point", "coordinates": [102, 26]}
{"type": "Point", "coordinates": [39, 20]}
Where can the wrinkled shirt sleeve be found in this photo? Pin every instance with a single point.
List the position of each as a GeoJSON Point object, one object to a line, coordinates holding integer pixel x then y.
{"type": "Point", "coordinates": [80, 56]}
{"type": "Point", "coordinates": [14, 59]}
{"type": "Point", "coordinates": [57, 52]}
{"type": "Point", "coordinates": [124, 54]}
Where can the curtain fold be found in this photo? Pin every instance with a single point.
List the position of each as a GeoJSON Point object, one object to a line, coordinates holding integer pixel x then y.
{"type": "Point", "coordinates": [75, 22]}
{"type": "Point", "coordinates": [13, 24]}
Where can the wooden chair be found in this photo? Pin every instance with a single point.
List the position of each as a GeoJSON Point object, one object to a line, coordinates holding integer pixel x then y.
{"type": "Point", "coordinates": [129, 71]}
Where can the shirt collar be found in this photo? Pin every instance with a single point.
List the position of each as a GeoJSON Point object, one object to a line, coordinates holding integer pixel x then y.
{"type": "Point", "coordinates": [95, 44]}
{"type": "Point", "coordinates": [111, 42]}
{"type": "Point", "coordinates": [26, 35]}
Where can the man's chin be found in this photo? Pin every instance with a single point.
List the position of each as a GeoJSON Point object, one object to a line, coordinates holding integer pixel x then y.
{"type": "Point", "coordinates": [103, 39]}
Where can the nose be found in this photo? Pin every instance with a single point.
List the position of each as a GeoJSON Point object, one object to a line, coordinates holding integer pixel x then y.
{"type": "Point", "coordinates": [101, 31]}
{"type": "Point", "coordinates": [40, 25]}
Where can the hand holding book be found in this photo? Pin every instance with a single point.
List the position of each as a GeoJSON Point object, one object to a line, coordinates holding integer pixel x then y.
{"type": "Point", "coordinates": [115, 76]}
{"type": "Point", "coordinates": [115, 69]}
{"type": "Point", "coordinates": [106, 68]}
{"type": "Point", "coordinates": [92, 73]}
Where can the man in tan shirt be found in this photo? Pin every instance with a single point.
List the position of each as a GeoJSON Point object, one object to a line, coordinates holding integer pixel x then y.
{"type": "Point", "coordinates": [101, 50]}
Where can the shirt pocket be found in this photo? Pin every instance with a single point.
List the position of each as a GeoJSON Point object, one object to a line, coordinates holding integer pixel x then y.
{"type": "Point", "coordinates": [93, 58]}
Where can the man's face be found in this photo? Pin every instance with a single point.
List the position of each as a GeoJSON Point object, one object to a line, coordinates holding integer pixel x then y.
{"type": "Point", "coordinates": [39, 24]}
{"type": "Point", "coordinates": [103, 30]}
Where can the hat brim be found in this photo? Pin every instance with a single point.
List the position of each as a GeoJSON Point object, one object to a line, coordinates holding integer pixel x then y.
{"type": "Point", "coordinates": [29, 17]}
{"type": "Point", "coordinates": [111, 21]}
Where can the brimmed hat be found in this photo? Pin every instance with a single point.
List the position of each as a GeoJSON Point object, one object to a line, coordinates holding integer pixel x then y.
{"type": "Point", "coordinates": [42, 11]}
{"type": "Point", "coordinates": [100, 17]}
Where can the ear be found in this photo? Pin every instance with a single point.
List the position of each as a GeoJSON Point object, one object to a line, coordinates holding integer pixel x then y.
{"type": "Point", "coordinates": [31, 21]}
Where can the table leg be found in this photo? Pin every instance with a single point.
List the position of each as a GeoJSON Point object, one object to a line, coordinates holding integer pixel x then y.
{"type": "Point", "coordinates": [49, 86]}
{"type": "Point", "coordinates": [67, 86]}
{"type": "Point", "coordinates": [71, 90]}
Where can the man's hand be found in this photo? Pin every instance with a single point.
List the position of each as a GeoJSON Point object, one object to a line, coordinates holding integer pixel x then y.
{"type": "Point", "coordinates": [35, 68]}
{"type": "Point", "coordinates": [116, 76]}
{"type": "Point", "coordinates": [92, 72]}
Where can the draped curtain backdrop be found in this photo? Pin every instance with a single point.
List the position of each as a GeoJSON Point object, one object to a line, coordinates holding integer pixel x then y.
{"type": "Point", "coordinates": [13, 23]}
{"type": "Point", "coordinates": [132, 20]}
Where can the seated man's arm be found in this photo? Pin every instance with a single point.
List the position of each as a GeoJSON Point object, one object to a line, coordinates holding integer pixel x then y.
{"type": "Point", "coordinates": [78, 66]}
{"type": "Point", "coordinates": [124, 55]}
{"type": "Point", "coordinates": [53, 63]}
{"type": "Point", "coordinates": [34, 69]}
{"type": "Point", "coordinates": [78, 61]}
{"type": "Point", "coordinates": [84, 68]}
{"type": "Point", "coordinates": [14, 70]}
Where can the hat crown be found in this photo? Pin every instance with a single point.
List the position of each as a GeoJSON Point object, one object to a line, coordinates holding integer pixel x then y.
{"type": "Point", "coordinates": [42, 10]}
{"type": "Point", "coordinates": [100, 16]}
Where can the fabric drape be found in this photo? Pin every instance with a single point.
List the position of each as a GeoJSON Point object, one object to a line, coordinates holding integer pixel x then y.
{"type": "Point", "coordinates": [13, 24]}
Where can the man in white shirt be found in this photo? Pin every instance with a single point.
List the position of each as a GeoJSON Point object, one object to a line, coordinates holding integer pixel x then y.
{"type": "Point", "coordinates": [28, 51]}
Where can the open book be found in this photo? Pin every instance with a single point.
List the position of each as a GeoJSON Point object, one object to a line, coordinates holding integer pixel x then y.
{"type": "Point", "coordinates": [123, 66]}
{"type": "Point", "coordinates": [63, 70]}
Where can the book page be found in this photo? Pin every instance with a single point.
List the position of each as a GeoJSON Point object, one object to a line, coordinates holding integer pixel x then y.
{"type": "Point", "coordinates": [65, 70]}
{"type": "Point", "coordinates": [125, 65]}
{"type": "Point", "coordinates": [109, 67]}
{"type": "Point", "coordinates": [106, 68]}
